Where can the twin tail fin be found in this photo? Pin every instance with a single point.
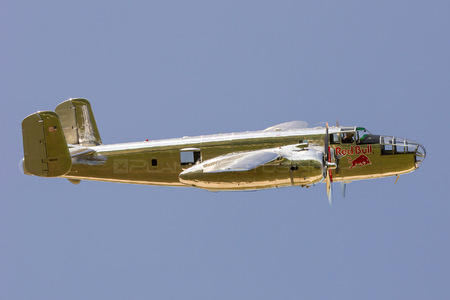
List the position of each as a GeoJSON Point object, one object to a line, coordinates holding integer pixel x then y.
{"type": "Point", "coordinates": [48, 135]}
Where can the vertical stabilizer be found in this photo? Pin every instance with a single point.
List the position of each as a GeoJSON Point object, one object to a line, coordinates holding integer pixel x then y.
{"type": "Point", "coordinates": [78, 122]}
{"type": "Point", "coordinates": [44, 145]}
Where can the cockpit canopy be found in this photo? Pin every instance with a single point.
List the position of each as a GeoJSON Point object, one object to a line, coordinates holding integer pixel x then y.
{"type": "Point", "coordinates": [349, 135]}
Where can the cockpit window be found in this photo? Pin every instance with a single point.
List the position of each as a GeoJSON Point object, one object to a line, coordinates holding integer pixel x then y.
{"type": "Point", "coordinates": [334, 138]}
{"type": "Point", "coordinates": [348, 137]}
{"type": "Point", "coordinates": [361, 134]}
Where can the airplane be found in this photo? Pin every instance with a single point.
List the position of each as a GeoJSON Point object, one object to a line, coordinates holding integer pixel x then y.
{"type": "Point", "coordinates": [66, 143]}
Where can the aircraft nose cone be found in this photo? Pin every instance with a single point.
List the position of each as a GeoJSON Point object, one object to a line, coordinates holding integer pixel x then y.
{"type": "Point", "coordinates": [421, 153]}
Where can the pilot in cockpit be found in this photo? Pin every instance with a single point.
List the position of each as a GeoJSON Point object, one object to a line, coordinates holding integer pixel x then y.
{"type": "Point", "coordinates": [348, 138]}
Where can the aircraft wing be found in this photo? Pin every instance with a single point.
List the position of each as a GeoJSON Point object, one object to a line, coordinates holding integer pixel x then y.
{"type": "Point", "coordinates": [237, 162]}
{"type": "Point", "coordinates": [222, 172]}
{"type": "Point", "coordinates": [293, 125]}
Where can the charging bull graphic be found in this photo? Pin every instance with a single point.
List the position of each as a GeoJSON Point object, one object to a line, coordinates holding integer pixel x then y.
{"type": "Point", "coordinates": [360, 161]}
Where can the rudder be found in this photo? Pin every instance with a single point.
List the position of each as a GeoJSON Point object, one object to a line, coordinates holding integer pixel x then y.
{"type": "Point", "coordinates": [44, 145]}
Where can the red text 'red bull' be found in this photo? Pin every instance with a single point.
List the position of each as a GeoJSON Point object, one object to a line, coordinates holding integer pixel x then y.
{"type": "Point", "coordinates": [354, 150]}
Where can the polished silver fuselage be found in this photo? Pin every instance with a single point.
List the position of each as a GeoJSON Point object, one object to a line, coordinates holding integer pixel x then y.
{"type": "Point", "coordinates": [160, 162]}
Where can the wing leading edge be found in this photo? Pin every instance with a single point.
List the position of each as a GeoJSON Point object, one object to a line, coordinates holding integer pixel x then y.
{"type": "Point", "coordinates": [238, 162]}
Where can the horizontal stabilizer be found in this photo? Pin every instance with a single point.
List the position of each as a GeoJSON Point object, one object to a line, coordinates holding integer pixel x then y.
{"type": "Point", "coordinates": [44, 145]}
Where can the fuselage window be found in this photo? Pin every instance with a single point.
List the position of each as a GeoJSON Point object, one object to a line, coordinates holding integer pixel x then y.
{"type": "Point", "coordinates": [391, 145]}
{"type": "Point", "coordinates": [190, 157]}
{"type": "Point", "coordinates": [400, 149]}
{"type": "Point", "coordinates": [387, 145]}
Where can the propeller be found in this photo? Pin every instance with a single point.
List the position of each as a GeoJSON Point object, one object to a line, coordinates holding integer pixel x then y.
{"type": "Point", "coordinates": [343, 188]}
{"type": "Point", "coordinates": [328, 165]}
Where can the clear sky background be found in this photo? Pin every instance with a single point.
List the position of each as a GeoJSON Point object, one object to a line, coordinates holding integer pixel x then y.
{"type": "Point", "coordinates": [163, 69]}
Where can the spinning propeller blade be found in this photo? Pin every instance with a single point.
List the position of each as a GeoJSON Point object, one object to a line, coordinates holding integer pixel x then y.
{"type": "Point", "coordinates": [328, 165]}
{"type": "Point", "coordinates": [343, 188]}
{"type": "Point", "coordinates": [329, 191]}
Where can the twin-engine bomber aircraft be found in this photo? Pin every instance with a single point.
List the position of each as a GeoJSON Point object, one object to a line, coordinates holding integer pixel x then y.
{"type": "Point", "coordinates": [66, 143]}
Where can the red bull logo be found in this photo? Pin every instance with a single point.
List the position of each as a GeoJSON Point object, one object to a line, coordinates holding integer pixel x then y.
{"type": "Point", "coordinates": [361, 151]}
{"type": "Point", "coordinates": [354, 150]}
{"type": "Point", "coordinates": [360, 161]}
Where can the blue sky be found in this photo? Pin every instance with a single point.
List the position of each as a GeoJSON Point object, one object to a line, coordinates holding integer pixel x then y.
{"type": "Point", "coordinates": [162, 69]}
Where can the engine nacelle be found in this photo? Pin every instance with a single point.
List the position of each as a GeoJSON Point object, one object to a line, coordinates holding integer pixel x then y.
{"type": "Point", "coordinates": [297, 167]}
{"type": "Point", "coordinates": [306, 166]}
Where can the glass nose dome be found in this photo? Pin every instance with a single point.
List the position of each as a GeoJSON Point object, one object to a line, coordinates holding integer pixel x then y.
{"type": "Point", "coordinates": [394, 145]}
